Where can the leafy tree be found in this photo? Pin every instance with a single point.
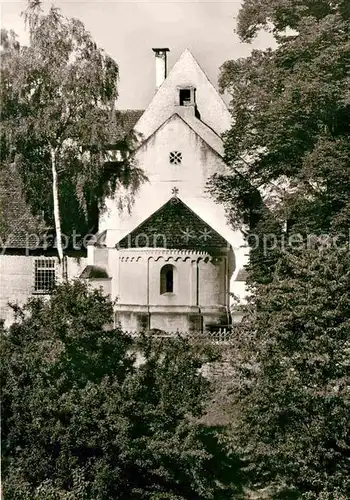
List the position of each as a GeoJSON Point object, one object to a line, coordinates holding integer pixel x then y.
{"type": "Point", "coordinates": [81, 420]}
{"type": "Point", "coordinates": [292, 405]}
{"type": "Point", "coordinates": [288, 149]}
{"type": "Point", "coordinates": [289, 143]}
{"type": "Point", "coordinates": [58, 94]}
{"type": "Point", "coordinates": [279, 15]}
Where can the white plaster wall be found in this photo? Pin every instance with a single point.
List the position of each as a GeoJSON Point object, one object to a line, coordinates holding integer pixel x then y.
{"type": "Point", "coordinates": [102, 284]}
{"type": "Point", "coordinates": [75, 266]}
{"type": "Point", "coordinates": [212, 281]}
{"type": "Point", "coordinates": [239, 288]}
{"type": "Point", "coordinates": [190, 177]}
{"type": "Point", "coordinates": [17, 280]}
{"type": "Point", "coordinates": [170, 322]}
{"type": "Point", "coordinates": [182, 283]}
{"type": "Point", "coordinates": [101, 258]}
{"type": "Point", "coordinates": [199, 162]}
{"type": "Point", "coordinates": [139, 279]}
{"type": "Point", "coordinates": [113, 268]}
{"type": "Point", "coordinates": [132, 286]}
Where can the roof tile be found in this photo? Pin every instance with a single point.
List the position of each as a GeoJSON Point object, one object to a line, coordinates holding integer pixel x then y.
{"type": "Point", "coordinates": [174, 226]}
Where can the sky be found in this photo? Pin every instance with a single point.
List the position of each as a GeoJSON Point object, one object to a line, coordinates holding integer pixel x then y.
{"type": "Point", "coordinates": [128, 30]}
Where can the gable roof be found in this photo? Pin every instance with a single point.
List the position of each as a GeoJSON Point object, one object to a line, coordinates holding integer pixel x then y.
{"type": "Point", "coordinates": [127, 119]}
{"type": "Point", "coordinates": [94, 272]}
{"type": "Point", "coordinates": [200, 128]}
{"type": "Point", "coordinates": [174, 226]}
{"type": "Point", "coordinates": [205, 132]}
{"type": "Point", "coordinates": [185, 73]}
{"type": "Point", "coordinates": [18, 226]}
{"type": "Point", "coordinates": [242, 275]}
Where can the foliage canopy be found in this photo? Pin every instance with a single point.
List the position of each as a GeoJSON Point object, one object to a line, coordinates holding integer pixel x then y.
{"type": "Point", "coordinates": [289, 149]}
{"type": "Point", "coordinates": [81, 420]}
{"type": "Point", "coordinates": [58, 95]}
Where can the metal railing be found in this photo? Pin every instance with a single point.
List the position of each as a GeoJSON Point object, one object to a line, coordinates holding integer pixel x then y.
{"type": "Point", "coordinates": [217, 336]}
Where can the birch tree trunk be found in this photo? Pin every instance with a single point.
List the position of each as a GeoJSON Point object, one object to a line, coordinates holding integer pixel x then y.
{"type": "Point", "coordinates": [56, 208]}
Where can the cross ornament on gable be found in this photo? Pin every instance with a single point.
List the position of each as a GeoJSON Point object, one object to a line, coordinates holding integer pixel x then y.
{"type": "Point", "coordinates": [175, 191]}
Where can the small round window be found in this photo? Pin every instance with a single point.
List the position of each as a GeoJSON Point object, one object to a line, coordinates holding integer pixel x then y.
{"type": "Point", "coordinates": [175, 157]}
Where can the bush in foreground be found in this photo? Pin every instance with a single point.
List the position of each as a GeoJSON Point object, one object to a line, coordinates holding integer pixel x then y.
{"type": "Point", "coordinates": [82, 421]}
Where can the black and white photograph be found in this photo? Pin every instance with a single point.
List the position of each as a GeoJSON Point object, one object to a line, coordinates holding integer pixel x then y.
{"type": "Point", "coordinates": [175, 249]}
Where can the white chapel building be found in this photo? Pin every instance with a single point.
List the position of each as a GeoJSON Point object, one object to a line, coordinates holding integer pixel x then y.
{"type": "Point", "coordinates": [173, 262]}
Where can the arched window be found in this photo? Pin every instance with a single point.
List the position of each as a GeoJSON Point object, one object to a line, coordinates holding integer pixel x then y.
{"type": "Point", "coordinates": [167, 279]}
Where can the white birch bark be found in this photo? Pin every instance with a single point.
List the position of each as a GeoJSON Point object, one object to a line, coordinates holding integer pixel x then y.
{"type": "Point", "coordinates": [56, 208]}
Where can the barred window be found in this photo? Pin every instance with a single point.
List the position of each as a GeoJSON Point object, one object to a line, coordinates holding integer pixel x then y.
{"type": "Point", "coordinates": [45, 275]}
{"type": "Point", "coordinates": [175, 157]}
